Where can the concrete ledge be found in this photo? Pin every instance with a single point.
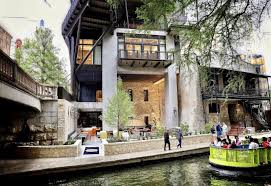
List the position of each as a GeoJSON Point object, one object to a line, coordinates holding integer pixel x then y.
{"type": "Point", "coordinates": [153, 144]}
{"type": "Point", "coordinates": [52, 151]}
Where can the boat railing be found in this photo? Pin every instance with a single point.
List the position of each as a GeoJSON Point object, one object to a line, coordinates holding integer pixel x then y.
{"type": "Point", "coordinates": [239, 157]}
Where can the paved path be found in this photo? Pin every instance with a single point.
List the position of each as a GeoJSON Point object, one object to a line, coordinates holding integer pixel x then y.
{"type": "Point", "coordinates": [56, 165]}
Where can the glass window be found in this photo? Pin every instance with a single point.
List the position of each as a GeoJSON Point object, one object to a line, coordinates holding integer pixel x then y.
{"type": "Point", "coordinates": [214, 108]}
{"type": "Point", "coordinates": [85, 45]}
{"type": "Point", "coordinates": [130, 92]}
{"type": "Point", "coordinates": [150, 41]}
{"type": "Point", "coordinates": [146, 95]}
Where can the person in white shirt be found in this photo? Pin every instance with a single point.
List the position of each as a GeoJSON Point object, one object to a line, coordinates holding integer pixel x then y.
{"type": "Point", "coordinates": [225, 130]}
{"type": "Point", "coordinates": [253, 144]}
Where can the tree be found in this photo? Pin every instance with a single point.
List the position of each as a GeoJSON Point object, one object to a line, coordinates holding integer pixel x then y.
{"type": "Point", "coordinates": [119, 109]}
{"type": "Point", "coordinates": [38, 57]}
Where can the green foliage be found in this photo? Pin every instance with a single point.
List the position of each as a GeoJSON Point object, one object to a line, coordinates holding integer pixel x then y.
{"type": "Point", "coordinates": [119, 109]}
{"type": "Point", "coordinates": [38, 57]}
{"type": "Point", "coordinates": [207, 128]}
{"type": "Point", "coordinates": [159, 131]}
{"type": "Point", "coordinates": [235, 83]}
{"type": "Point", "coordinates": [185, 128]}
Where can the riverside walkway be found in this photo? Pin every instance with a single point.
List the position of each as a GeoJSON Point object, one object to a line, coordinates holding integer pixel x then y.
{"type": "Point", "coordinates": [30, 167]}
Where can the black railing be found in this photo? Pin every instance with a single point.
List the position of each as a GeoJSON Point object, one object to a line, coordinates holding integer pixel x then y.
{"type": "Point", "coordinates": [213, 92]}
{"type": "Point", "coordinates": [12, 74]}
{"type": "Point", "coordinates": [146, 55]}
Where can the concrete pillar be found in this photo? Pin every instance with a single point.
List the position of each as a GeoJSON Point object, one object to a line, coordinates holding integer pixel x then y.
{"type": "Point", "coordinates": [190, 102]}
{"type": "Point", "coordinates": [171, 98]}
{"type": "Point", "coordinates": [109, 71]}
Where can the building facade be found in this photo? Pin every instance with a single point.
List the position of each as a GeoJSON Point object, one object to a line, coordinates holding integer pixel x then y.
{"type": "Point", "coordinates": [5, 40]}
{"type": "Point", "coordinates": [106, 44]}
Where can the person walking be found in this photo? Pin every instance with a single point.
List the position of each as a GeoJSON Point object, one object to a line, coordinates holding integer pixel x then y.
{"type": "Point", "coordinates": [212, 130]}
{"type": "Point", "coordinates": [179, 137]}
{"type": "Point", "coordinates": [166, 139]}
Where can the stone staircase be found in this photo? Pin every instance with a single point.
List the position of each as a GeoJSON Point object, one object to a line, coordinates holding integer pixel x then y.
{"type": "Point", "coordinates": [236, 130]}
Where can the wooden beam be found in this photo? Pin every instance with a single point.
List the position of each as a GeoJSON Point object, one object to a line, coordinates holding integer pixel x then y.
{"type": "Point", "coordinates": [93, 25]}
{"type": "Point", "coordinates": [77, 40]}
{"type": "Point", "coordinates": [145, 64]}
{"type": "Point", "coordinates": [132, 64]}
{"type": "Point", "coordinates": [157, 64]}
{"type": "Point", "coordinates": [94, 20]}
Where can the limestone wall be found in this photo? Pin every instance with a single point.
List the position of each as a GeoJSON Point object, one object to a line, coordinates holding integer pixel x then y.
{"type": "Point", "coordinates": [53, 151]}
{"type": "Point", "coordinates": [145, 145]}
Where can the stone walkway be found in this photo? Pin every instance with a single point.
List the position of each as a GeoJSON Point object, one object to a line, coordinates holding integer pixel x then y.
{"type": "Point", "coordinates": [57, 165]}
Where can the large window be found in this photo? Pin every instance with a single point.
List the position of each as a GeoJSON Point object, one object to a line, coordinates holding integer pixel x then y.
{"type": "Point", "coordinates": [153, 47]}
{"type": "Point", "coordinates": [85, 45]}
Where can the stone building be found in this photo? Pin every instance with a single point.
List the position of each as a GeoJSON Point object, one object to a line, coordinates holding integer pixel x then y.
{"type": "Point", "coordinates": [5, 40]}
{"type": "Point", "coordinates": [105, 45]}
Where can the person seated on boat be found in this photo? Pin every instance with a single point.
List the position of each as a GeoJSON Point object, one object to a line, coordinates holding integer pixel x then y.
{"type": "Point", "coordinates": [225, 144]}
{"type": "Point", "coordinates": [269, 140]}
{"type": "Point", "coordinates": [233, 145]}
{"type": "Point", "coordinates": [238, 141]}
{"type": "Point", "coordinates": [253, 144]}
{"type": "Point", "coordinates": [218, 143]}
{"type": "Point", "coordinates": [265, 143]}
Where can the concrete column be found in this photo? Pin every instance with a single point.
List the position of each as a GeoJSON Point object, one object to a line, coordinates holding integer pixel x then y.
{"type": "Point", "coordinates": [190, 102]}
{"type": "Point", "coordinates": [109, 71]}
{"type": "Point", "coordinates": [171, 98]}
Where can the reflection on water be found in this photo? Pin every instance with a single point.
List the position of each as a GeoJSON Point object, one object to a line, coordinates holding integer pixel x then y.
{"type": "Point", "coordinates": [192, 171]}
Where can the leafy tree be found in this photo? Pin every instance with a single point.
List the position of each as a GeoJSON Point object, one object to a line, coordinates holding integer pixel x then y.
{"type": "Point", "coordinates": [38, 57]}
{"type": "Point", "coordinates": [119, 109]}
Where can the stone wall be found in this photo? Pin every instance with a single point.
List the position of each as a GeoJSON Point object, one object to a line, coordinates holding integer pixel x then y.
{"type": "Point", "coordinates": [5, 40]}
{"type": "Point", "coordinates": [153, 108]}
{"type": "Point", "coordinates": [145, 145]}
{"type": "Point", "coordinates": [53, 151]}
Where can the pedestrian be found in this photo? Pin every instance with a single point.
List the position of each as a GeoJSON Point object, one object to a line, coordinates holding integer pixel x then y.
{"type": "Point", "coordinates": [212, 130]}
{"type": "Point", "coordinates": [166, 139]}
{"type": "Point", "coordinates": [225, 130]}
{"type": "Point", "coordinates": [218, 130]}
{"type": "Point", "coordinates": [180, 137]}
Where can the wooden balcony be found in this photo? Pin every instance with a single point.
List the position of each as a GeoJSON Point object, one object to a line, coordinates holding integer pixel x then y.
{"type": "Point", "coordinates": [136, 58]}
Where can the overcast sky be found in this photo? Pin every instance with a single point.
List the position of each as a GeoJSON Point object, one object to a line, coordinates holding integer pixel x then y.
{"type": "Point", "coordinates": [34, 10]}
{"type": "Point", "coordinates": [54, 13]}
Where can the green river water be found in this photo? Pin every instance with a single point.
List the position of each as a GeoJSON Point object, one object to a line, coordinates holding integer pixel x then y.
{"type": "Point", "coordinates": [187, 171]}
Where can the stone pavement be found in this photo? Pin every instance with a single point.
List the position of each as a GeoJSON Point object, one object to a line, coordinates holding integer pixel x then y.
{"type": "Point", "coordinates": [59, 165]}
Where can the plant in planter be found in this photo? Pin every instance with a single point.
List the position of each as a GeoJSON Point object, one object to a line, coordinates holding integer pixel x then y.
{"type": "Point", "coordinates": [185, 128]}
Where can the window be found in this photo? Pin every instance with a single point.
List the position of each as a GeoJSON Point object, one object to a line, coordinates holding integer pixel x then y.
{"type": "Point", "coordinates": [85, 45]}
{"type": "Point", "coordinates": [146, 120]}
{"type": "Point", "coordinates": [130, 92]}
{"type": "Point", "coordinates": [146, 95]}
{"type": "Point", "coordinates": [214, 108]}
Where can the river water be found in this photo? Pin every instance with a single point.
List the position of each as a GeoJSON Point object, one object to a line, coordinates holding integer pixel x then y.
{"type": "Point", "coordinates": [183, 171]}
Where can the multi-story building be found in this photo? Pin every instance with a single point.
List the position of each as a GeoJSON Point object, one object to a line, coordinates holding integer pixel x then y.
{"type": "Point", "coordinates": [5, 40]}
{"type": "Point", "coordinates": [105, 44]}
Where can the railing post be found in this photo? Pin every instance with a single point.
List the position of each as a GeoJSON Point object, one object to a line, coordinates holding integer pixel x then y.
{"type": "Point", "coordinates": [14, 72]}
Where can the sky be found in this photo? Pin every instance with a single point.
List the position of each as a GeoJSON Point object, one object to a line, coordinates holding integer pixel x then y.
{"type": "Point", "coordinates": [52, 13]}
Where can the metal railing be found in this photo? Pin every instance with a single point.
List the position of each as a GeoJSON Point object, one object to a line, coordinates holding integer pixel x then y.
{"type": "Point", "coordinates": [12, 74]}
{"type": "Point", "coordinates": [218, 92]}
{"type": "Point", "coordinates": [145, 55]}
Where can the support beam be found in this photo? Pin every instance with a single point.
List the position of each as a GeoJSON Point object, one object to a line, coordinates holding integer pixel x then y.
{"type": "Point", "coordinates": [77, 40]}
{"type": "Point", "coordinates": [145, 64]}
{"type": "Point", "coordinates": [94, 46]}
{"type": "Point", "coordinates": [157, 64]}
{"type": "Point", "coordinates": [77, 18]}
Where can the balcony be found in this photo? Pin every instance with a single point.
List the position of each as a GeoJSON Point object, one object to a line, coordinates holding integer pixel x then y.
{"type": "Point", "coordinates": [252, 94]}
{"type": "Point", "coordinates": [138, 58]}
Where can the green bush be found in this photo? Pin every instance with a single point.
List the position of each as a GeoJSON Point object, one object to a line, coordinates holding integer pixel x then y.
{"type": "Point", "coordinates": [69, 142]}
{"type": "Point", "coordinates": [208, 127]}
{"type": "Point", "coordinates": [185, 128]}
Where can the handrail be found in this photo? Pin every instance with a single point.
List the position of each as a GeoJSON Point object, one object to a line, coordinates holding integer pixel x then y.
{"type": "Point", "coordinates": [11, 73]}
{"type": "Point", "coordinates": [149, 55]}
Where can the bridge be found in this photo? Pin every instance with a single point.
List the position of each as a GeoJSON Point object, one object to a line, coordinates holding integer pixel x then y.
{"type": "Point", "coordinates": [20, 89]}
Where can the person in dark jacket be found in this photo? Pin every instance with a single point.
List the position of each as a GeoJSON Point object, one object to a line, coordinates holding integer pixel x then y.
{"type": "Point", "coordinates": [179, 137]}
{"type": "Point", "coordinates": [166, 139]}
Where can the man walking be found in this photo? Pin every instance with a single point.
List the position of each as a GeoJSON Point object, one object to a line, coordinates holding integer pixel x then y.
{"type": "Point", "coordinates": [179, 137]}
{"type": "Point", "coordinates": [166, 138]}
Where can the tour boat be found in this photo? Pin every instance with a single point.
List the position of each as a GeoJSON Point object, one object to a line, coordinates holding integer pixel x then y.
{"type": "Point", "coordinates": [241, 161]}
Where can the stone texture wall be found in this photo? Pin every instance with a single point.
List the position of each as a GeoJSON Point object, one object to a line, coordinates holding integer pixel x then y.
{"type": "Point", "coordinates": [5, 40]}
{"type": "Point", "coordinates": [153, 108]}
{"type": "Point", "coordinates": [55, 151]}
{"type": "Point", "coordinates": [145, 145]}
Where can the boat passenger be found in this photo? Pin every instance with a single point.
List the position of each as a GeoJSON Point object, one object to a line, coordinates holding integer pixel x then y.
{"type": "Point", "coordinates": [233, 145]}
{"type": "Point", "coordinates": [269, 140]}
{"type": "Point", "coordinates": [253, 144]}
{"type": "Point", "coordinates": [265, 143]}
{"type": "Point", "coordinates": [225, 144]}
{"type": "Point", "coordinates": [218, 143]}
{"type": "Point", "coordinates": [238, 141]}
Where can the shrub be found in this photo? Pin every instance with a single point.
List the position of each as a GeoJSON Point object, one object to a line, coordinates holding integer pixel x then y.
{"type": "Point", "coordinates": [185, 128]}
{"type": "Point", "coordinates": [208, 127]}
